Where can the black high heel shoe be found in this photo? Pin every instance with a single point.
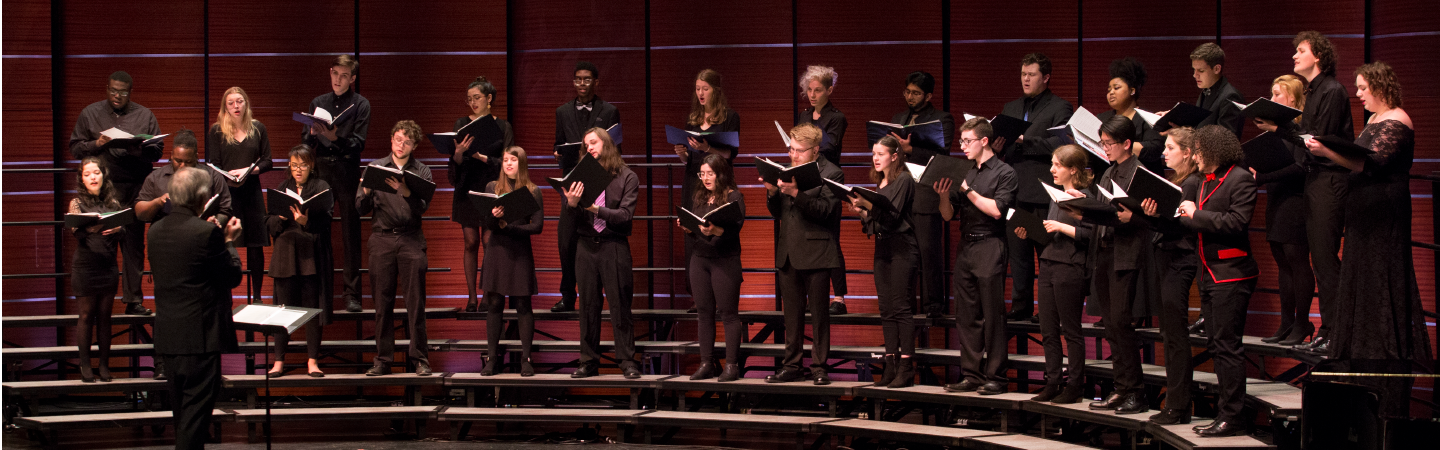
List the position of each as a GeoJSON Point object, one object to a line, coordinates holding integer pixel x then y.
{"type": "Point", "coordinates": [1279, 335]}
{"type": "Point", "coordinates": [86, 376]}
{"type": "Point", "coordinates": [1298, 334]}
{"type": "Point", "coordinates": [526, 370]}
{"type": "Point", "coordinates": [472, 306]}
{"type": "Point", "coordinates": [104, 373]}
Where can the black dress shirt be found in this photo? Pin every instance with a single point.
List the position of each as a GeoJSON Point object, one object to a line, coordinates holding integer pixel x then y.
{"type": "Point", "coordinates": [392, 212]}
{"type": "Point", "coordinates": [1326, 113]}
{"type": "Point", "coordinates": [994, 180]}
{"type": "Point", "coordinates": [832, 122]}
{"type": "Point", "coordinates": [126, 165]}
{"type": "Point", "coordinates": [350, 132]}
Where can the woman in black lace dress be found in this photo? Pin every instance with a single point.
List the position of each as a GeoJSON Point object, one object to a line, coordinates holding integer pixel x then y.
{"type": "Point", "coordinates": [92, 270]}
{"type": "Point", "coordinates": [1379, 325]}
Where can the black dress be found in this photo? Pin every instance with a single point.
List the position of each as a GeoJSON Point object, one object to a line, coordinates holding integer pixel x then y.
{"type": "Point", "coordinates": [92, 268]}
{"type": "Point", "coordinates": [247, 201]}
{"type": "Point", "coordinates": [1379, 325]}
{"type": "Point", "coordinates": [509, 266]}
{"type": "Point", "coordinates": [472, 175]}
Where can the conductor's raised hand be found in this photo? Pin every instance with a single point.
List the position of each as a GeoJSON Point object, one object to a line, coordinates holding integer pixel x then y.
{"type": "Point", "coordinates": [232, 230]}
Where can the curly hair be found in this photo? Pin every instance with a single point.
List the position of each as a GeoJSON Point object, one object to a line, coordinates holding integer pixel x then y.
{"type": "Point", "coordinates": [1321, 47]}
{"type": "Point", "coordinates": [1217, 146]}
{"type": "Point", "coordinates": [1131, 71]}
{"type": "Point", "coordinates": [825, 75]}
{"type": "Point", "coordinates": [411, 129]}
{"type": "Point", "coordinates": [1383, 83]}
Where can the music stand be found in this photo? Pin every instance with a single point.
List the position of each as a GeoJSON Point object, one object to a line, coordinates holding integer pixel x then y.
{"type": "Point", "coordinates": [266, 319]}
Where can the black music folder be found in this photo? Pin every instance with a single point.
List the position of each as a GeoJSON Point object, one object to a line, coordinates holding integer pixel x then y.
{"type": "Point", "coordinates": [1181, 115]}
{"type": "Point", "coordinates": [487, 136]}
{"type": "Point", "coordinates": [518, 204]}
{"type": "Point", "coordinates": [940, 167]}
{"type": "Point", "coordinates": [843, 191]}
{"type": "Point", "coordinates": [105, 220]}
{"type": "Point", "coordinates": [279, 202]}
{"type": "Point", "coordinates": [374, 178]}
{"type": "Point", "coordinates": [1267, 153]}
{"type": "Point", "coordinates": [806, 175]}
{"type": "Point", "coordinates": [726, 216]}
{"type": "Point", "coordinates": [1265, 109]}
{"type": "Point", "coordinates": [928, 134]}
{"type": "Point", "coordinates": [570, 152]}
{"type": "Point", "coordinates": [588, 171]}
{"type": "Point", "coordinates": [1034, 226]}
{"type": "Point", "coordinates": [323, 117]}
{"type": "Point", "coordinates": [1341, 146]}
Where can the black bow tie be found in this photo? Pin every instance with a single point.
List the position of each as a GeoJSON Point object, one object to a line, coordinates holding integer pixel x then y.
{"type": "Point", "coordinates": [584, 107]}
{"type": "Point", "coordinates": [1205, 92]}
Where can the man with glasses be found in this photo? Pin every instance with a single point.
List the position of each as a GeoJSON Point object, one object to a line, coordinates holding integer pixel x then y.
{"type": "Point", "coordinates": [397, 250]}
{"type": "Point", "coordinates": [979, 283]}
{"type": "Point", "coordinates": [337, 160]}
{"type": "Point", "coordinates": [572, 119]}
{"type": "Point", "coordinates": [128, 166]}
{"type": "Point", "coordinates": [925, 212]}
{"type": "Point", "coordinates": [807, 248]}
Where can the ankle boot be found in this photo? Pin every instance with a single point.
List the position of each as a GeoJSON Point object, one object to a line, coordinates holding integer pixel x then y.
{"type": "Point", "coordinates": [888, 374]}
{"type": "Point", "coordinates": [1071, 394]}
{"type": "Point", "coordinates": [731, 373]}
{"type": "Point", "coordinates": [489, 369]}
{"type": "Point", "coordinates": [905, 373]}
{"type": "Point", "coordinates": [705, 371]}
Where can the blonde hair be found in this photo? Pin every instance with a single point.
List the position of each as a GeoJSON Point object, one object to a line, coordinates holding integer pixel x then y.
{"type": "Point", "coordinates": [1185, 138]}
{"type": "Point", "coordinates": [504, 185]}
{"type": "Point", "coordinates": [825, 75]}
{"type": "Point", "coordinates": [806, 132]}
{"type": "Point", "coordinates": [229, 127]}
{"type": "Point", "coordinates": [1295, 88]}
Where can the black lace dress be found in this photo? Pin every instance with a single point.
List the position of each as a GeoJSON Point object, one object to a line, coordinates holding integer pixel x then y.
{"type": "Point", "coordinates": [1378, 322]}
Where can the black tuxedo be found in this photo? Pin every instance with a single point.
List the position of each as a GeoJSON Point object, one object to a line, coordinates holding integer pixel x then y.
{"type": "Point", "coordinates": [1220, 99]}
{"type": "Point", "coordinates": [807, 248]}
{"type": "Point", "coordinates": [194, 270]}
{"type": "Point", "coordinates": [570, 126]}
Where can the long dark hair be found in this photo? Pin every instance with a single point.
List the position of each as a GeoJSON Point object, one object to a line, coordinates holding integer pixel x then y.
{"type": "Point", "coordinates": [724, 182]}
{"type": "Point", "coordinates": [106, 199]}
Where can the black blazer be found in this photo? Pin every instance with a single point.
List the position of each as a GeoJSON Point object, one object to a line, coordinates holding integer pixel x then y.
{"type": "Point", "coordinates": [568, 128]}
{"type": "Point", "coordinates": [194, 273]}
{"type": "Point", "coordinates": [926, 200]}
{"type": "Point", "coordinates": [1031, 158]}
{"type": "Point", "coordinates": [1128, 239]}
{"type": "Point", "coordinates": [1221, 103]}
{"type": "Point", "coordinates": [809, 234]}
{"type": "Point", "coordinates": [1223, 221]}
{"type": "Point", "coordinates": [1152, 151]}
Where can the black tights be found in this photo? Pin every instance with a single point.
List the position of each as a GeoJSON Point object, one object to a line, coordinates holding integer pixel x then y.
{"type": "Point", "coordinates": [495, 322]}
{"type": "Point", "coordinates": [1297, 283]}
{"type": "Point", "coordinates": [94, 312]}
{"type": "Point", "coordinates": [472, 256]}
{"type": "Point", "coordinates": [255, 263]}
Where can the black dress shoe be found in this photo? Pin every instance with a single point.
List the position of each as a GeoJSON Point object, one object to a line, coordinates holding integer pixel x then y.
{"type": "Point", "coordinates": [837, 309]}
{"type": "Point", "coordinates": [160, 370]}
{"type": "Point", "coordinates": [1221, 428]}
{"type": "Point", "coordinates": [1198, 327]}
{"type": "Point", "coordinates": [966, 385]}
{"type": "Point", "coordinates": [275, 373]}
{"type": "Point", "coordinates": [1019, 314]}
{"type": "Point", "coordinates": [1109, 403]}
{"type": "Point", "coordinates": [422, 369]}
{"type": "Point", "coordinates": [731, 373]}
{"type": "Point", "coordinates": [1316, 344]}
{"type": "Point", "coordinates": [1171, 417]}
{"type": "Point", "coordinates": [377, 370]}
{"type": "Point", "coordinates": [693, 310]}
{"type": "Point", "coordinates": [1133, 404]}
{"type": "Point", "coordinates": [136, 309]}
{"type": "Point", "coordinates": [317, 374]}
{"type": "Point", "coordinates": [472, 306]}
{"type": "Point", "coordinates": [563, 306]}
{"type": "Point", "coordinates": [353, 306]}
{"type": "Point", "coordinates": [785, 376]}
{"type": "Point", "coordinates": [632, 372]}
{"type": "Point", "coordinates": [992, 388]}
{"type": "Point", "coordinates": [822, 378]}
{"type": "Point", "coordinates": [705, 372]}
{"type": "Point", "coordinates": [584, 371]}
{"type": "Point", "coordinates": [935, 311]}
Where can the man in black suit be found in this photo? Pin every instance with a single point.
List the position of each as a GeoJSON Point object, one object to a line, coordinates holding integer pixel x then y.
{"type": "Point", "coordinates": [337, 160]}
{"type": "Point", "coordinates": [1222, 217]}
{"type": "Point", "coordinates": [807, 248]}
{"type": "Point", "coordinates": [195, 266]}
{"type": "Point", "coordinates": [1216, 92]}
{"type": "Point", "coordinates": [1029, 155]}
{"type": "Point", "coordinates": [127, 166]}
{"type": "Point", "coordinates": [925, 212]}
{"type": "Point", "coordinates": [572, 119]}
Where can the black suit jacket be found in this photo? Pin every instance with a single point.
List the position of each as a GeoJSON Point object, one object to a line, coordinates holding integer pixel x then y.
{"type": "Point", "coordinates": [926, 201]}
{"type": "Point", "coordinates": [1031, 157]}
{"type": "Point", "coordinates": [1221, 103]}
{"type": "Point", "coordinates": [568, 128]}
{"type": "Point", "coordinates": [809, 234]}
{"type": "Point", "coordinates": [1128, 239]}
{"type": "Point", "coordinates": [1223, 221]}
{"type": "Point", "coordinates": [194, 272]}
{"type": "Point", "coordinates": [1152, 151]}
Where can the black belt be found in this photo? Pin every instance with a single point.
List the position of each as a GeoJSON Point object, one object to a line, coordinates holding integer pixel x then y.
{"type": "Point", "coordinates": [395, 230]}
{"type": "Point", "coordinates": [974, 237]}
{"type": "Point", "coordinates": [599, 239]}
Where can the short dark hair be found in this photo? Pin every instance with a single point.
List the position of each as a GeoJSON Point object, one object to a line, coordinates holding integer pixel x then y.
{"type": "Point", "coordinates": [347, 61]}
{"type": "Point", "coordinates": [1131, 71]}
{"type": "Point", "coordinates": [1209, 52]}
{"type": "Point", "coordinates": [1217, 146]}
{"type": "Point", "coordinates": [484, 85]}
{"type": "Point", "coordinates": [1119, 127]}
{"type": "Point", "coordinates": [1383, 83]}
{"type": "Point", "coordinates": [1037, 58]}
{"type": "Point", "coordinates": [980, 125]}
{"type": "Point", "coordinates": [1322, 48]}
{"type": "Point", "coordinates": [122, 77]}
{"type": "Point", "coordinates": [922, 80]}
{"type": "Point", "coordinates": [186, 138]}
{"type": "Point", "coordinates": [587, 65]}
{"type": "Point", "coordinates": [303, 153]}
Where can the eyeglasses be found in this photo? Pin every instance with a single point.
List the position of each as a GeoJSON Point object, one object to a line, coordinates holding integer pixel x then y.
{"type": "Point", "coordinates": [300, 166]}
{"type": "Point", "coordinates": [474, 98]}
{"type": "Point", "coordinates": [1109, 143]}
{"type": "Point", "coordinates": [965, 142]}
{"type": "Point", "coordinates": [113, 91]}
{"type": "Point", "coordinates": [584, 81]}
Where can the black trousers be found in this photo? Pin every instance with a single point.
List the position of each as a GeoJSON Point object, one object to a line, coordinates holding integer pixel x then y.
{"type": "Point", "coordinates": [395, 258]}
{"type": "Point", "coordinates": [715, 285]}
{"type": "Point", "coordinates": [1023, 253]}
{"type": "Point", "coordinates": [603, 265]}
{"type": "Point", "coordinates": [194, 385]}
{"type": "Point", "coordinates": [801, 289]}
{"type": "Point", "coordinates": [895, 262]}
{"type": "Point", "coordinates": [132, 247]}
{"type": "Point", "coordinates": [495, 323]}
{"type": "Point", "coordinates": [1225, 306]}
{"type": "Point", "coordinates": [566, 238]}
{"type": "Point", "coordinates": [1177, 274]}
{"type": "Point", "coordinates": [930, 236]}
{"type": "Point", "coordinates": [1116, 292]}
{"type": "Point", "coordinates": [1062, 302]}
{"type": "Point", "coordinates": [343, 175]}
{"type": "Point", "coordinates": [1297, 283]}
{"type": "Point", "coordinates": [979, 288]}
{"type": "Point", "coordinates": [1325, 197]}
{"type": "Point", "coordinates": [302, 291]}
{"type": "Point", "coordinates": [837, 276]}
